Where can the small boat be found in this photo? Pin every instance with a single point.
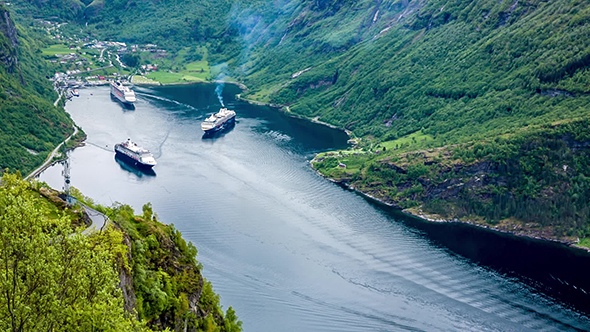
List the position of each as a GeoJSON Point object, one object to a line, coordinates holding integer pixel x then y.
{"type": "Point", "coordinates": [75, 93]}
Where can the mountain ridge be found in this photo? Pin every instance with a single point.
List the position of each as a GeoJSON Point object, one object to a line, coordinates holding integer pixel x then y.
{"type": "Point", "coordinates": [402, 76]}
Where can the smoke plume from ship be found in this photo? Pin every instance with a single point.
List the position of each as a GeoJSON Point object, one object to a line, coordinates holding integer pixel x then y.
{"type": "Point", "coordinates": [220, 85]}
{"type": "Point", "coordinates": [218, 91]}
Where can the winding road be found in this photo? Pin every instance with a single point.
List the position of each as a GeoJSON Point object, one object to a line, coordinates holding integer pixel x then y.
{"type": "Point", "coordinates": [51, 155]}
{"type": "Point", "coordinates": [99, 219]}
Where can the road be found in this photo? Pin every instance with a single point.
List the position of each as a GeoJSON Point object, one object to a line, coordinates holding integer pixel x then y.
{"type": "Point", "coordinates": [99, 219]}
{"type": "Point", "coordinates": [119, 60]}
{"type": "Point", "coordinates": [51, 155]}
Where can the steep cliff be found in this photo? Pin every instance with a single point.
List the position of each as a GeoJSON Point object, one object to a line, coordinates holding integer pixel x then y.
{"type": "Point", "coordinates": [164, 285]}
{"type": "Point", "coordinates": [8, 41]}
{"type": "Point", "coordinates": [30, 125]}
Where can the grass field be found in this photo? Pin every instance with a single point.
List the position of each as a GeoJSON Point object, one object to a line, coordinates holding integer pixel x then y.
{"type": "Point", "coordinates": [201, 67]}
{"type": "Point", "coordinates": [585, 242]}
{"type": "Point", "coordinates": [137, 79]}
{"type": "Point", "coordinates": [197, 71]}
{"type": "Point", "coordinates": [354, 159]}
{"type": "Point", "coordinates": [413, 140]}
{"type": "Point", "coordinates": [171, 77]}
{"type": "Point", "coordinates": [57, 49]}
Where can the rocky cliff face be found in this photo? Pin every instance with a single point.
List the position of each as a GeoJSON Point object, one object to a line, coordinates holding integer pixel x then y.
{"type": "Point", "coordinates": [8, 41]}
{"type": "Point", "coordinates": [126, 282]}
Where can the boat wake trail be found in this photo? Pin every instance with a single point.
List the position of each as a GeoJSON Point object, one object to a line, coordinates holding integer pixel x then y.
{"type": "Point", "coordinates": [169, 101]}
{"type": "Point", "coordinates": [106, 148]}
{"type": "Point", "coordinates": [162, 144]}
{"type": "Point", "coordinates": [387, 319]}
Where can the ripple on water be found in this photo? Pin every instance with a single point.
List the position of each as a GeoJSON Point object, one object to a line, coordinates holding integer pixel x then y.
{"type": "Point", "coordinates": [289, 250]}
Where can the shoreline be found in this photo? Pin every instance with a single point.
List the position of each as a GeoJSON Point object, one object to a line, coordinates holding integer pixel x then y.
{"type": "Point", "coordinates": [286, 110]}
{"type": "Point", "coordinates": [424, 217]}
{"type": "Point", "coordinates": [283, 108]}
{"type": "Point", "coordinates": [158, 83]}
{"type": "Point", "coordinates": [49, 161]}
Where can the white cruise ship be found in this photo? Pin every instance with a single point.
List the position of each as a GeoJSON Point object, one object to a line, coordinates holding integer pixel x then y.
{"type": "Point", "coordinates": [122, 93]}
{"type": "Point", "coordinates": [136, 155]}
{"type": "Point", "coordinates": [218, 121]}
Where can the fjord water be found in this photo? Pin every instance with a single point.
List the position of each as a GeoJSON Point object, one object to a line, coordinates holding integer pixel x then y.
{"type": "Point", "coordinates": [291, 251]}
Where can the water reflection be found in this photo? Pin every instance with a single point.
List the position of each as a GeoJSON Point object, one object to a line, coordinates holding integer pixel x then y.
{"type": "Point", "coordinates": [290, 251]}
{"type": "Point", "coordinates": [139, 172]}
{"type": "Point", "coordinates": [220, 133]}
{"type": "Point", "coordinates": [128, 107]}
{"type": "Point", "coordinates": [549, 267]}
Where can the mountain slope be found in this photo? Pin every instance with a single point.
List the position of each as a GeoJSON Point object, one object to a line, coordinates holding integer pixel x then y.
{"type": "Point", "coordinates": [30, 125]}
{"type": "Point", "coordinates": [480, 109]}
{"type": "Point", "coordinates": [409, 76]}
{"type": "Point", "coordinates": [385, 68]}
{"type": "Point", "coordinates": [458, 71]}
{"type": "Point", "coordinates": [534, 183]}
{"type": "Point", "coordinates": [136, 274]}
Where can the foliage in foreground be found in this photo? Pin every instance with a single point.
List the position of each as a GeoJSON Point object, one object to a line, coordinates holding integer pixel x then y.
{"type": "Point", "coordinates": [170, 290]}
{"type": "Point", "coordinates": [141, 277]}
{"type": "Point", "coordinates": [52, 277]}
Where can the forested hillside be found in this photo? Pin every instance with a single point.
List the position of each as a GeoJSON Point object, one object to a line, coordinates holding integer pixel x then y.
{"type": "Point", "coordinates": [30, 125]}
{"type": "Point", "coordinates": [459, 70]}
{"type": "Point", "coordinates": [535, 182]}
{"type": "Point", "coordinates": [406, 76]}
{"type": "Point", "coordinates": [388, 68]}
{"type": "Point", "coordinates": [137, 274]}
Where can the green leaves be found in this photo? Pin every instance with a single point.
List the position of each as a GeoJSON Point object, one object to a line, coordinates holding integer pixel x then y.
{"type": "Point", "coordinates": [52, 277]}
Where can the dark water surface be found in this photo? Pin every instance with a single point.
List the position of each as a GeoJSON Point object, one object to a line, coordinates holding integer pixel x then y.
{"type": "Point", "coordinates": [294, 252]}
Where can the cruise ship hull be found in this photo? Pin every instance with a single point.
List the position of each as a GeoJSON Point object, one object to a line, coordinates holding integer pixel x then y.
{"type": "Point", "coordinates": [120, 96]}
{"type": "Point", "coordinates": [222, 126]}
{"type": "Point", "coordinates": [130, 167]}
{"type": "Point", "coordinates": [132, 161]}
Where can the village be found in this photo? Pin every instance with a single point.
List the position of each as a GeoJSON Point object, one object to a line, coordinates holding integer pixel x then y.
{"type": "Point", "coordinates": [80, 62]}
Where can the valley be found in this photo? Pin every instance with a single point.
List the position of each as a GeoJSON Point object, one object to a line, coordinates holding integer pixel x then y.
{"type": "Point", "coordinates": [459, 113]}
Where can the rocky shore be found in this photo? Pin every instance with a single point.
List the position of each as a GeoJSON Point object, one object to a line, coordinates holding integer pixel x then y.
{"type": "Point", "coordinates": [512, 228]}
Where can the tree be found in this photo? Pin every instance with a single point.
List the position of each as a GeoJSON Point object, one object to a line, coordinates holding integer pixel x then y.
{"type": "Point", "coordinates": [131, 60]}
{"type": "Point", "coordinates": [232, 324]}
{"type": "Point", "coordinates": [52, 277]}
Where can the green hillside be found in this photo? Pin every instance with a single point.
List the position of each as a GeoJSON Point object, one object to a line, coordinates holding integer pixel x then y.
{"type": "Point", "coordinates": [434, 85]}
{"type": "Point", "coordinates": [388, 68]}
{"type": "Point", "coordinates": [405, 76]}
{"type": "Point", "coordinates": [137, 274]}
{"type": "Point", "coordinates": [536, 182]}
{"type": "Point", "coordinates": [30, 125]}
{"type": "Point", "coordinates": [458, 71]}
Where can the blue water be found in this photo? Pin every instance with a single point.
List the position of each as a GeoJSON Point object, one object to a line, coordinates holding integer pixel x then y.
{"type": "Point", "coordinates": [291, 251]}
